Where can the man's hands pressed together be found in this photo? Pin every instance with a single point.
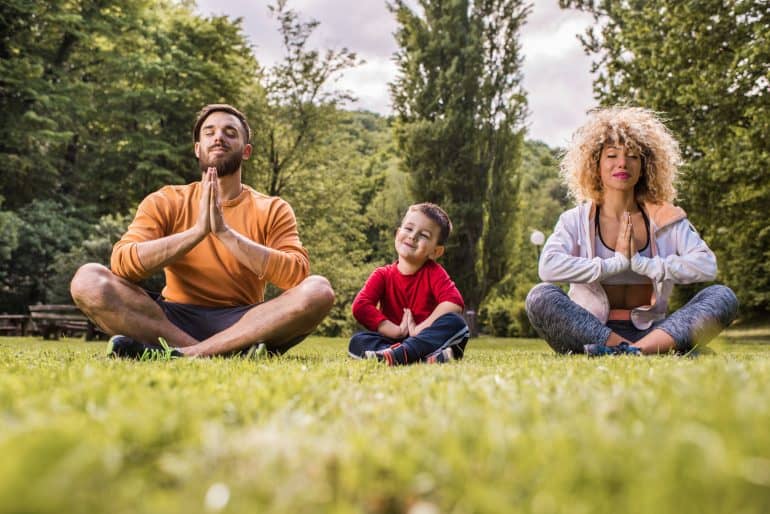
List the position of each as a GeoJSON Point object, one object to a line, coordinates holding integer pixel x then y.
{"type": "Point", "coordinates": [210, 217]}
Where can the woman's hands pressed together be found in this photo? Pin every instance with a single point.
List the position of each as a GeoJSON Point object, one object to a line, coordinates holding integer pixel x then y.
{"type": "Point", "coordinates": [625, 245]}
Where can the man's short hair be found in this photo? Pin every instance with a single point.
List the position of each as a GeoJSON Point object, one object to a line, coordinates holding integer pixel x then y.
{"type": "Point", "coordinates": [207, 110]}
{"type": "Point", "coordinates": [438, 216]}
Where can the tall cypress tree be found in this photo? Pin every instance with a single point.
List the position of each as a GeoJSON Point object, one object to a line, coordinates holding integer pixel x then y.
{"type": "Point", "coordinates": [460, 110]}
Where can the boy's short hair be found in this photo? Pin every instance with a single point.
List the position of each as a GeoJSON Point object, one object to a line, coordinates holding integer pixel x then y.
{"type": "Point", "coordinates": [211, 108]}
{"type": "Point", "coordinates": [438, 216]}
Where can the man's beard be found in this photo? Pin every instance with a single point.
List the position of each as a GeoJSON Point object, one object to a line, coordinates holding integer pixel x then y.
{"type": "Point", "coordinates": [226, 164]}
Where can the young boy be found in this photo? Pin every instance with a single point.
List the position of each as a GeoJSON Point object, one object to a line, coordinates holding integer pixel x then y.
{"type": "Point", "coordinates": [419, 306]}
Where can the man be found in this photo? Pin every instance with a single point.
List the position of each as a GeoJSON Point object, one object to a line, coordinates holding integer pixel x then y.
{"type": "Point", "coordinates": [219, 242]}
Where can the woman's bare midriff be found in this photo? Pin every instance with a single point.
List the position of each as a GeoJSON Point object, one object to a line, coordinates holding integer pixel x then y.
{"type": "Point", "coordinates": [628, 296]}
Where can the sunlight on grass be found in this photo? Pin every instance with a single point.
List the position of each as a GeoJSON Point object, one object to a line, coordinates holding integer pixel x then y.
{"type": "Point", "coordinates": [512, 428]}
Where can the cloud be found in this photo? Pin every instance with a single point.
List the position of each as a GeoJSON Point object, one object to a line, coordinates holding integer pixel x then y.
{"type": "Point", "coordinates": [556, 71]}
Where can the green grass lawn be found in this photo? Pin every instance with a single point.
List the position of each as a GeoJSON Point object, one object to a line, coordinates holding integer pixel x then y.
{"type": "Point", "coordinates": [512, 428]}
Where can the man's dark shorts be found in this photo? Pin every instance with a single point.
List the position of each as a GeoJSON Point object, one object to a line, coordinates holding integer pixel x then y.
{"type": "Point", "coordinates": [203, 322]}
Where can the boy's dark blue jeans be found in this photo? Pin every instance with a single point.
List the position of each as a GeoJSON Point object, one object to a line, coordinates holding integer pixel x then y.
{"type": "Point", "coordinates": [448, 331]}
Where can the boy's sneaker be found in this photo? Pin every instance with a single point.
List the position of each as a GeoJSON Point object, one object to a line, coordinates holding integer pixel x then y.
{"type": "Point", "coordinates": [127, 348]}
{"type": "Point", "coordinates": [440, 356]}
{"type": "Point", "coordinates": [385, 356]}
{"type": "Point", "coordinates": [601, 349]}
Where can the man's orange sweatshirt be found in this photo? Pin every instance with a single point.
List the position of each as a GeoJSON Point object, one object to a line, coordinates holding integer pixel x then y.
{"type": "Point", "coordinates": [209, 275]}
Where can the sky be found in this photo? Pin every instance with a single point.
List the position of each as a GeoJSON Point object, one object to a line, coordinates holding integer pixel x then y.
{"type": "Point", "coordinates": [557, 75]}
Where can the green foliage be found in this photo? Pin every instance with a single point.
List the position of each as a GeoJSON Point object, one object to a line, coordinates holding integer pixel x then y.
{"type": "Point", "coordinates": [505, 317]}
{"type": "Point", "coordinates": [542, 198]}
{"type": "Point", "coordinates": [338, 210]}
{"type": "Point", "coordinates": [704, 64]}
{"type": "Point", "coordinates": [460, 110]}
{"type": "Point", "coordinates": [9, 233]}
{"type": "Point", "coordinates": [184, 62]}
{"type": "Point", "coordinates": [10, 225]}
{"type": "Point", "coordinates": [96, 247]}
{"type": "Point", "coordinates": [45, 229]}
{"type": "Point", "coordinates": [512, 428]}
{"type": "Point", "coordinates": [99, 96]}
{"type": "Point", "coordinates": [385, 204]}
{"type": "Point", "coordinates": [330, 213]}
{"type": "Point", "coordinates": [297, 107]}
{"type": "Point", "coordinates": [98, 99]}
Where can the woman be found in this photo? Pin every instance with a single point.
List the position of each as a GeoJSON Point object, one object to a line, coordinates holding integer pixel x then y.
{"type": "Point", "coordinates": [624, 247]}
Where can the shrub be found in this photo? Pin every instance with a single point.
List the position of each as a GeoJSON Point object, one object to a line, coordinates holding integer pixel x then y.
{"type": "Point", "coordinates": [503, 316]}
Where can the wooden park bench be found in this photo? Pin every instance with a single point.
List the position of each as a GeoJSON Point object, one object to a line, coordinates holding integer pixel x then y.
{"type": "Point", "coordinates": [13, 324]}
{"type": "Point", "coordinates": [62, 320]}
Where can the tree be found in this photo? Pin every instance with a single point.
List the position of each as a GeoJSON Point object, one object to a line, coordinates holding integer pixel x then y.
{"type": "Point", "coordinates": [157, 77]}
{"type": "Point", "coordinates": [543, 197]}
{"type": "Point", "coordinates": [330, 212]}
{"type": "Point", "coordinates": [10, 225]}
{"type": "Point", "coordinates": [297, 106]}
{"type": "Point", "coordinates": [704, 65]}
{"type": "Point", "coordinates": [95, 247]}
{"type": "Point", "coordinates": [460, 110]}
{"type": "Point", "coordinates": [98, 99]}
{"type": "Point", "coordinates": [98, 96]}
{"type": "Point", "coordinates": [46, 229]}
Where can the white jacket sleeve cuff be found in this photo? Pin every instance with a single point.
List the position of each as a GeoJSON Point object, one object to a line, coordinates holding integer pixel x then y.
{"type": "Point", "coordinates": [652, 268]}
{"type": "Point", "coordinates": [614, 265]}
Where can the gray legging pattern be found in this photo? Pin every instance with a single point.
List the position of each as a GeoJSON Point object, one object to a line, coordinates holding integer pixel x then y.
{"type": "Point", "coordinates": [566, 326]}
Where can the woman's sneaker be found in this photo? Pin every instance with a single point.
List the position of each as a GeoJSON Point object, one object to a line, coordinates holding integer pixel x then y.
{"type": "Point", "coordinates": [601, 349]}
{"type": "Point", "coordinates": [127, 348]}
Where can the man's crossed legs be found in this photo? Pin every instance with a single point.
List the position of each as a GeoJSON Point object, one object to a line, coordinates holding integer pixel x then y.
{"type": "Point", "coordinates": [121, 307]}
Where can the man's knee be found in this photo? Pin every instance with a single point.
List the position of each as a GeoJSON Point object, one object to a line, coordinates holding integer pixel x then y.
{"type": "Point", "coordinates": [319, 294]}
{"type": "Point", "coordinates": [89, 283]}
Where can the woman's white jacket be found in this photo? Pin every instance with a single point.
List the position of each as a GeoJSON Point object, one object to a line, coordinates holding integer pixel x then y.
{"type": "Point", "coordinates": [678, 256]}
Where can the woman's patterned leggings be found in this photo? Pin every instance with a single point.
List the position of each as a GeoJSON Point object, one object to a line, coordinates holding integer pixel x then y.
{"type": "Point", "coordinates": [566, 326]}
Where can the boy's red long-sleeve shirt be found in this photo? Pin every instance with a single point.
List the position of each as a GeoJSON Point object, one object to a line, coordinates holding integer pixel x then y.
{"type": "Point", "coordinates": [393, 292]}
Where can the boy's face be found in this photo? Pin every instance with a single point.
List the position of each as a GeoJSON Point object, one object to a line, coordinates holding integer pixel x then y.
{"type": "Point", "coordinates": [417, 238]}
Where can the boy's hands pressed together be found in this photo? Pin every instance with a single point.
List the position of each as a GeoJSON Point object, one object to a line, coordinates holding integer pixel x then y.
{"type": "Point", "coordinates": [406, 328]}
{"type": "Point", "coordinates": [392, 331]}
{"type": "Point", "coordinates": [405, 320]}
{"type": "Point", "coordinates": [412, 327]}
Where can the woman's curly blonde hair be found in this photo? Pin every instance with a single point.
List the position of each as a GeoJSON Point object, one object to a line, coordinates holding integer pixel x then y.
{"type": "Point", "coordinates": [639, 130]}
